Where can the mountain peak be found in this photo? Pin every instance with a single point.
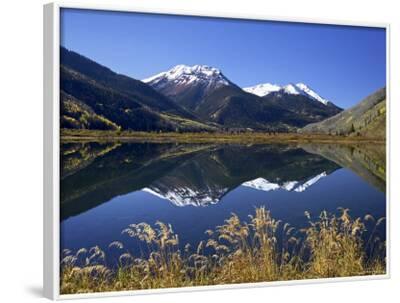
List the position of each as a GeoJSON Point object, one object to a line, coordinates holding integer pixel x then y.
{"type": "Point", "coordinates": [188, 85]}
{"type": "Point", "coordinates": [307, 90]}
{"type": "Point", "coordinates": [187, 74]}
{"type": "Point", "coordinates": [292, 89]}
{"type": "Point", "coordinates": [262, 89]}
{"type": "Point", "coordinates": [195, 69]}
{"type": "Point", "coordinates": [301, 85]}
{"type": "Point", "coordinates": [300, 88]}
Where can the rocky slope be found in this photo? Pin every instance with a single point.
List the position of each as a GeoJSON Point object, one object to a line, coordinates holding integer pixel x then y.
{"type": "Point", "coordinates": [367, 118]}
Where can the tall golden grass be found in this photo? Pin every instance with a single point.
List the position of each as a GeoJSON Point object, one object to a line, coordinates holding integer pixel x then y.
{"type": "Point", "coordinates": [264, 249]}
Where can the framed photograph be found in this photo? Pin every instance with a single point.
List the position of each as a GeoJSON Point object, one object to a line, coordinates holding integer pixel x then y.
{"type": "Point", "coordinates": [194, 151]}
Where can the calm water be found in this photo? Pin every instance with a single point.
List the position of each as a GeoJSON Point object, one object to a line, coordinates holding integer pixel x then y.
{"type": "Point", "coordinates": [106, 187]}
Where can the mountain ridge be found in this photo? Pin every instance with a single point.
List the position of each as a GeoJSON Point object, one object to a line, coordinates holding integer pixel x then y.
{"type": "Point", "coordinates": [125, 101]}
{"type": "Point", "coordinates": [357, 120]}
{"type": "Point", "coordinates": [300, 88]}
{"type": "Point", "coordinates": [188, 85]}
{"type": "Point", "coordinates": [205, 91]}
{"type": "Point", "coordinates": [198, 98]}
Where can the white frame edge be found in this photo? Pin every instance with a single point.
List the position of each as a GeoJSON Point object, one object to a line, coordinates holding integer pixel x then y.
{"type": "Point", "coordinates": [51, 148]}
{"type": "Point", "coordinates": [51, 221]}
{"type": "Point", "coordinates": [388, 153]}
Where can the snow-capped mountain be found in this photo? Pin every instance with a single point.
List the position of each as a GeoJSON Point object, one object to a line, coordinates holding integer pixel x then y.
{"type": "Point", "coordinates": [262, 90]}
{"type": "Point", "coordinates": [188, 84]}
{"type": "Point", "coordinates": [311, 93]}
{"type": "Point", "coordinates": [265, 185]}
{"type": "Point", "coordinates": [291, 89]}
{"type": "Point", "coordinates": [184, 74]}
{"type": "Point", "coordinates": [207, 93]}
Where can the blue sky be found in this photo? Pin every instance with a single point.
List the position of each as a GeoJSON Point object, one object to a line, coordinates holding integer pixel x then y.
{"type": "Point", "coordinates": [343, 64]}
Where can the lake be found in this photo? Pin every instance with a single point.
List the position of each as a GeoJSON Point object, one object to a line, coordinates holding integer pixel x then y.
{"type": "Point", "coordinates": [195, 187]}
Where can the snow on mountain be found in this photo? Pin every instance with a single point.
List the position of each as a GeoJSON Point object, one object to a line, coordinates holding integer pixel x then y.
{"type": "Point", "coordinates": [184, 196]}
{"type": "Point", "coordinates": [184, 74]}
{"type": "Point", "coordinates": [261, 184]}
{"type": "Point", "coordinates": [310, 182]}
{"type": "Point", "coordinates": [289, 185]}
{"type": "Point", "coordinates": [262, 90]}
{"type": "Point", "coordinates": [311, 93]}
{"type": "Point", "coordinates": [265, 185]}
{"type": "Point", "coordinates": [292, 89]}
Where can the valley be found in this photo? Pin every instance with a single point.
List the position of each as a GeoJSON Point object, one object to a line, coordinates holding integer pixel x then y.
{"type": "Point", "coordinates": [212, 151]}
{"type": "Point", "coordinates": [200, 104]}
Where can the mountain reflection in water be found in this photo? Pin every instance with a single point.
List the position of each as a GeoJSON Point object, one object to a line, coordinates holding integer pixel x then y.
{"type": "Point", "coordinates": [105, 187]}
{"type": "Point", "coordinates": [196, 175]}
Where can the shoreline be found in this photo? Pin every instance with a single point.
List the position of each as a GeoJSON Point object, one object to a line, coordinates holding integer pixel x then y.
{"type": "Point", "coordinates": [71, 136]}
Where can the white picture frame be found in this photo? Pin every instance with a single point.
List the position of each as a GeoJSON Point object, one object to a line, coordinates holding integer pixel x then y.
{"type": "Point", "coordinates": [51, 155]}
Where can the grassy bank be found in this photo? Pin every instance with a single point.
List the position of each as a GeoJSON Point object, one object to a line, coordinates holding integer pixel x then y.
{"type": "Point", "coordinates": [263, 249]}
{"type": "Point", "coordinates": [68, 135]}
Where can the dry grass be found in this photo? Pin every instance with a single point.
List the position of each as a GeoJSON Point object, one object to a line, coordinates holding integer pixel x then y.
{"type": "Point", "coordinates": [263, 249]}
